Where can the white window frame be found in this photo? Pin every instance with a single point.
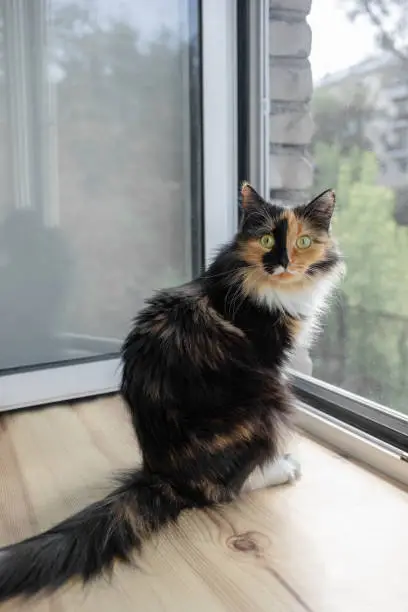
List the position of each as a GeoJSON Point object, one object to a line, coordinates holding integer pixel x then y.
{"type": "Point", "coordinates": [353, 443]}
{"type": "Point", "coordinates": [258, 95]}
{"type": "Point", "coordinates": [386, 458]}
{"type": "Point", "coordinates": [57, 383]}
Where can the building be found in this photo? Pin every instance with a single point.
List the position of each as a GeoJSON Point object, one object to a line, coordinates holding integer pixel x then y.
{"type": "Point", "coordinates": [385, 123]}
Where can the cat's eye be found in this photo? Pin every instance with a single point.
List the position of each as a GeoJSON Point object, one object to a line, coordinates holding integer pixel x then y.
{"type": "Point", "coordinates": [267, 241]}
{"type": "Point", "coordinates": [304, 242]}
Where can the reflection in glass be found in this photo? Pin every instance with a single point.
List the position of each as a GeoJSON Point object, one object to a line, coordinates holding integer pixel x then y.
{"type": "Point", "coordinates": [99, 146]}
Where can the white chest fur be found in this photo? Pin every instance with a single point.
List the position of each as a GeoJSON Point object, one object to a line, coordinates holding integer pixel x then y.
{"type": "Point", "coordinates": [306, 303]}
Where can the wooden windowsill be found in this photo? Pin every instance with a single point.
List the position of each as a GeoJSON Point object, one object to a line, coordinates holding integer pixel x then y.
{"type": "Point", "coordinates": [334, 542]}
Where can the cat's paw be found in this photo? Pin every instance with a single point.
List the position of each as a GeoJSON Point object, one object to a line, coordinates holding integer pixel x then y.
{"type": "Point", "coordinates": [284, 470]}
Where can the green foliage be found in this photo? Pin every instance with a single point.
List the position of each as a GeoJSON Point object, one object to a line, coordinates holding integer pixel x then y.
{"type": "Point", "coordinates": [365, 345]}
{"type": "Point", "coordinates": [376, 248]}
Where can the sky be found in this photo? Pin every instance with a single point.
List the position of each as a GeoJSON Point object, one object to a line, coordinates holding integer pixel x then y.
{"type": "Point", "coordinates": [337, 43]}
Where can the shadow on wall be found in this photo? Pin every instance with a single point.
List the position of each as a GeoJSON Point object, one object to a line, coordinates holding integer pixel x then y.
{"type": "Point", "coordinates": [35, 273]}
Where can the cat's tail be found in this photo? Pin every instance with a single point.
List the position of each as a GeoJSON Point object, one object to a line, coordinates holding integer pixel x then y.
{"type": "Point", "coordinates": [87, 543]}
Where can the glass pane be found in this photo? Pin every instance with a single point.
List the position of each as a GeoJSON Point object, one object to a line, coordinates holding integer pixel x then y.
{"type": "Point", "coordinates": [99, 167]}
{"type": "Point", "coordinates": [360, 147]}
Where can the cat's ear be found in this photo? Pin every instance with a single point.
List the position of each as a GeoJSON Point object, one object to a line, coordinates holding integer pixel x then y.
{"type": "Point", "coordinates": [250, 197]}
{"type": "Point", "coordinates": [320, 210]}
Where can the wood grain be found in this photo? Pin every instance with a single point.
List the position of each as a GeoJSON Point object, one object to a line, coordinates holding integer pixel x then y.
{"type": "Point", "coordinates": [334, 542]}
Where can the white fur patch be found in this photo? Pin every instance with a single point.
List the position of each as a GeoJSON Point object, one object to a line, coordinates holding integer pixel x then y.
{"type": "Point", "coordinates": [305, 303]}
{"type": "Point", "coordinates": [284, 469]}
{"type": "Point", "coordinates": [278, 270]}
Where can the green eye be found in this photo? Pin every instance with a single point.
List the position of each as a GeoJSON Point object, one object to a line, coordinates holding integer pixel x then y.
{"type": "Point", "coordinates": [304, 242]}
{"type": "Point", "coordinates": [267, 241]}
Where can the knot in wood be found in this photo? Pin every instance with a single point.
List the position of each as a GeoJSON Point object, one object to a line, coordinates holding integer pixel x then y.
{"type": "Point", "coordinates": [249, 542]}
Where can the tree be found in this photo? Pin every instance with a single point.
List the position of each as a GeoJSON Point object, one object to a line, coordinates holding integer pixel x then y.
{"type": "Point", "coordinates": [364, 348]}
{"type": "Point", "coordinates": [390, 21]}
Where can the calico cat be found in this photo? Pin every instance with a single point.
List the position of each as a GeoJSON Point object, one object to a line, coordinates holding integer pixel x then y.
{"type": "Point", "coordinates": [204, 380]}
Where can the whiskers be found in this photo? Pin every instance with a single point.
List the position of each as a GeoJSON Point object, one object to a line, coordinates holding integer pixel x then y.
{"type": "Point", "coordinates": [232, 305]}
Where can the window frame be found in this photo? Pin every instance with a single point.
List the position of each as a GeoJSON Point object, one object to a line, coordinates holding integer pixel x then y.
{"type": "Point", "coordinates": [51, 383]}
{"type": "Point", "coordinates": [352, 443]}
{"type": "Point", "coordinates": [253, 99]}
{"type": "Point", "coordinates": [377, 421]}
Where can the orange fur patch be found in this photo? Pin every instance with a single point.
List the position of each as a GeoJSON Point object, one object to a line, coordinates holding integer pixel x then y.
{"type": "Point", "coordinates": [242, 432]}
{"type": "Point", "coordinates": [252, 252]}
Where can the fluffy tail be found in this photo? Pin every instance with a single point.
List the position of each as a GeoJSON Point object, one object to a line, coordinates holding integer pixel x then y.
{"type": "Point", "coordinates": [87, 543]}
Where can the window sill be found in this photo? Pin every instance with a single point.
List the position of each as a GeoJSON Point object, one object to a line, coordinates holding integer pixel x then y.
{"type": "Point", "coordinates": [334, 541]}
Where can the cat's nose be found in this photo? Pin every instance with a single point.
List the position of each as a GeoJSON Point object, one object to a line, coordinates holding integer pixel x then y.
{"type": "Point", "coordinates": [284, 260]}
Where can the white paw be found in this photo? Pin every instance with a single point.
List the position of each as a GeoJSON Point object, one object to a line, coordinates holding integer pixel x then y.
{"type": "Point", "coordinates": [285, 469]}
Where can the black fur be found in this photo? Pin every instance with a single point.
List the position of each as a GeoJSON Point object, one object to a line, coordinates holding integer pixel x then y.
{"type": "Point", "coordinates": [279, 254]}
{"type": "Point", "coordinates": [264, 329]}
{"type": "Point", "coordinates": [202, 380]}
{"type": "Point", "coordinates": [88, 542]}
{"type": "Point", "coordinates": [331, 260]}
{"type": "Point", "coordinates": [319, 210]}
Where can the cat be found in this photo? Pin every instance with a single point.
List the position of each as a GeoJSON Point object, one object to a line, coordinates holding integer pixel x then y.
{"type": "Point", "coordinates": [204, 380]}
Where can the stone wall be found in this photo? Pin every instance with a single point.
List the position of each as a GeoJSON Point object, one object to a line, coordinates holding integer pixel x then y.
{"type": "Point", "coordinates": [291, 125]}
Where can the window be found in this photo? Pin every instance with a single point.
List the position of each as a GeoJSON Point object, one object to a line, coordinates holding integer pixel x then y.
{"type": "Point", "coordinates": [103, 163]}
{"type": "Point", "coordinates": [364, 348]}
{"type": "Point", "coordinates": [332, 107]}
{"type": "Point", "coordinates": [97, 197]}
